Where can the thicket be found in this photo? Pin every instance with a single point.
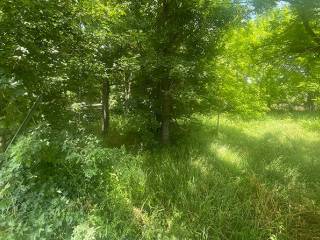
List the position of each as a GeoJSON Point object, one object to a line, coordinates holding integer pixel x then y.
{"type": "Point", "coordinates": [62, 185]}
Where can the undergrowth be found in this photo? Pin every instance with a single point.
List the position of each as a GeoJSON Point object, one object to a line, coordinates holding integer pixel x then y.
{"type": "Point", "coordinates": [257, 179]}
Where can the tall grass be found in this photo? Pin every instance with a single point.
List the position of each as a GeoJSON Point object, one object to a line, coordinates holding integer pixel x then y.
{"type": "Point", "coordinates": [257, 179]}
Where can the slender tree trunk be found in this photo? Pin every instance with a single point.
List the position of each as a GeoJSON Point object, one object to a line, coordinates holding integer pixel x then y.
{"type": "Point", "coordinates": [165, 91]}
{"type": "Point", "coordinates": [128, 93]}
{"type": "Point", "coordinates": [165, 117]}
{"type": "Point", "coordinates": [105, 94]}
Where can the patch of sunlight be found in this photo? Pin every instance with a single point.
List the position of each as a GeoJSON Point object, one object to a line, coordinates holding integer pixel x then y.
{"type": "Point", "coordinates": [201, 165]}
{"type": "Point", "coordinates": [141, 216]}
{"type": "Point", "coordinates": [284, 130]}
{"type": "Point", "coordinates": [228, 155]}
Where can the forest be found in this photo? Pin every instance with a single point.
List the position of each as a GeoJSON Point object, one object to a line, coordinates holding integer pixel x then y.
{"type": "Point", "coordinates": [160, 119]}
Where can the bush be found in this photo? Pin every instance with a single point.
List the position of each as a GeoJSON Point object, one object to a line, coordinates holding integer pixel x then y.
{"type": "Point", "coordinates": [59, 185]}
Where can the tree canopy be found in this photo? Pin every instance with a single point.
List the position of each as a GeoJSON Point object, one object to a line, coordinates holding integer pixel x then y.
{"type": "Point", "coordinates": [157, 61]}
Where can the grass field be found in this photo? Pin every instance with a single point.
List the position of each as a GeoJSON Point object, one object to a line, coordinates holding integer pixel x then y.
{"type": "Point", "coordinates": [257, 180]}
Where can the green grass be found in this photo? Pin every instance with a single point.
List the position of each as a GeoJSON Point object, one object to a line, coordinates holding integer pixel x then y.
{"type": "Point", "coordinates": [257, 180]}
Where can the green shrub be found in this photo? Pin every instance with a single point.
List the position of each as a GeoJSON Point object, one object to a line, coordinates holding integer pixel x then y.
{"type": "Point", "coordinates": [54, 182]}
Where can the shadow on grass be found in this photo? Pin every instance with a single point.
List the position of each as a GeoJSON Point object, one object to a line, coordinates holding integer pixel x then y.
{"type": "Point", "coordinates": [201, 195]}
{"type": "Point", "coordinates": [198, 188]}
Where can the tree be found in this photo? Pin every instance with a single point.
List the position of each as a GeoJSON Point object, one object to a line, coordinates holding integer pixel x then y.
{"type": "Point", "coordinates": [57, 50]}
{"type": "Point", "coordinates": [269, 61]}
{"type": "Point", "coordinates": [178, 39]}
{"type": "Point", "coordinates": [37, 39]}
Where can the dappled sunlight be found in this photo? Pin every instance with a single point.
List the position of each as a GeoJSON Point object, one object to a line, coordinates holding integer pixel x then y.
{"type": "Point", "coordinates": [290, 144]}
{"type": "Point", "coordinates": [262, 167]}
{"type": "Point", "coordinates": [281, 159]}
{"type": "Point", "coordinates": [227, 154]}
{"type": "Point", "coordinates": [284, 130]}
{"type": "Point", "coordinates": [203, 166]}
{"type": "Point", "coordinates": [159, 120]}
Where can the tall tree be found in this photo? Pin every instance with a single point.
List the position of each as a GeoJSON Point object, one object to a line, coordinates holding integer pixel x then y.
{"type": "Point", "coordinates": [180, 36]}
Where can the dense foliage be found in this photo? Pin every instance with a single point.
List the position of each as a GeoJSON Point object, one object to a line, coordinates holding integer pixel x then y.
{"type": "Point", "coordinates": [143, 119]}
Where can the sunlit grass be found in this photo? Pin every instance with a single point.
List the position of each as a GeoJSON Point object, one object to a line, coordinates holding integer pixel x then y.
{"type": "Point", "coordinates": [257, 180]}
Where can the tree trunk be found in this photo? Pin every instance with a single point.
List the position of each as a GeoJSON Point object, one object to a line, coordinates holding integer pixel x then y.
{"type": "Point", "coordinates": [165, 112]}
{"type": "Point", "coordinates": [105, 94]}
{"type": "Point", "coordinates": [165, 91]}
{"type": "Point", "coordinates": [165, 119]}
{"type": "Point", "coordinates": [127, 93]}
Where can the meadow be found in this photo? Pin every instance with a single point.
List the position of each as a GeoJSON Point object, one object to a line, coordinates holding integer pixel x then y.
{"type": "Point", "coordinates": [255, 179]}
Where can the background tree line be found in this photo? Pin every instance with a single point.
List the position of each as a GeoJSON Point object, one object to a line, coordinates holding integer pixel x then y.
{"type": "Point", "coordinates": [156, 62]}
